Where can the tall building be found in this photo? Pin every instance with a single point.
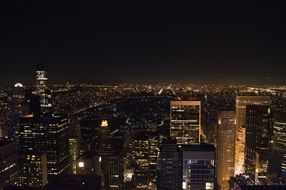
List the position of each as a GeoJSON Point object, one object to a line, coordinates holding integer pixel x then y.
{"type": "Point", "coordinates": [241, 103]}
{"type": "Point", "coordinates": [279, 137]}
{"type": "Point", "coordinates": [169, 175]}
{"type": "Point", "coordinates": [154, 145]}
{"type": "Point", "coordinates": [18, 98]}
{"type": "Point", "coordinates": [198, 162]}
{"type": "Point", "coordinates": [18, 108]}
{"type": "Point", "coordinates": [33, 170]}
{"type": "Point", "coordinates": [74, 143]}
{"type": "Point", "coordinates": [42, 87]}
{"type": "Point", "coordinates": [225, 135]}
{"type": "Point", "coordinates": [185, 121]}
{"type": "Point", "coordinates": [258, 137]}
{"type": "Point", "coordinates": [8, 163]}
{"type": "Point", "coordinates": [141, 156]}
{"type": "Point", "coordinates": [43, 138]}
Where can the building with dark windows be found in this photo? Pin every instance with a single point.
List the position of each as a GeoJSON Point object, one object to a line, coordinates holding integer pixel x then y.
{"type": "Point", "coordinates": [225, 141]}
{"type": "Point", "coordinates": [279, 136]}
{"type": "Point", "coordinates": [33, 170]}
{"type": "Point", "coordinates": [241, 103]}
{"type": "Point", "coordinates": [8, 163]}
{"type": "Point", "coordinates": [169, 174]}
{"type": "Point", "coordinates": [89, 163]}
{"type": "Point", "coordinates": [43, 139]}
{"type": "Point", "coordinates": [185, 121]}
{"type": "Point", "coordinates": [198, 167]}
{"type": "Point", "coordinates": [74, 143]}
{"type": "Point", "coordinates": [258, 137]}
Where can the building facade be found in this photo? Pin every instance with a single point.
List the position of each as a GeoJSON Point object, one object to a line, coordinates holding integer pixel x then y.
{"type": "Point", "coordinates": [185, 121]}
{"type": "Point", "coordinates": [241, 103]}
{"type": "Point", "coordinates": [225, 149]}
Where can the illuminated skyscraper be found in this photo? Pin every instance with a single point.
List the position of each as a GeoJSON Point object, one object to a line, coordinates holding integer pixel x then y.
{"type": "Point", "coordinates": [18, 99]}
{"type": "Point", "coordinates": [241, 103]}
{"type": "Point", "coordinates": [33, 170]}
{"type": "Point", "coordinates": [43, 142]}
{"type": "Point", "coordinates": [42, 88]}
{"type": "Point", "coordinates": [185, 121]}
{"type": "Point", "coordinates": [279, 137]}
{"type": "Point", "coordinates": [258, 136]}
{"type": "Point", "coordinates": [74, 143]}
{"type": "Point", "coordinates": [225, 135]}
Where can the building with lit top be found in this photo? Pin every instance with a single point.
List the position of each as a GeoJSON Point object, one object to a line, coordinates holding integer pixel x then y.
{"type": "Point", "coordinates": [225, 147]}
{"type": "Point", "coordinates": [111, 156]}
{"type": "Point", "coordinates": [185, 121]}
{"type": "Point", "coordinates": [241, 103]}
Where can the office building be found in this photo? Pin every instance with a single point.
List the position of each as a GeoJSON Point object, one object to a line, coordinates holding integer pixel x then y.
{"type": "Point", "coordinates": [258, 137]}
{"type": "Point", "coordinates": [241, 103]}
{"type": "Point", "coordinates": [279, 137]}
{"type": "Point", "coordinates": [43, 139]}
{"type": "Point", "coordinates": [225, 147]}
{"type": "Point", "coordinates": [198, 167]}
{"type": "Point", "coordinates": [8, 163]}
{"type": "Point", "coordinates": [185, 121]}
{"type": "Point", "coordinates": [42, 87]}
{"type": "Point", "coordinates": [74, 143]}
{"type": "Point", "coordinates": [33, 170]}
{"type": "Point", "coordinates": [141, 159]}
{"type": "Point", "coordinates": [169, 175]}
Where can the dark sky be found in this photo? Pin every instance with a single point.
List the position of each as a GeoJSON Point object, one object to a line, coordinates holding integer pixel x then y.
{"type": "Point", "coordinates": [144, 41]}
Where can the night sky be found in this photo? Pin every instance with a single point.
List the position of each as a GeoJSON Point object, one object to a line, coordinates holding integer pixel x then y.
{"type": "Point", "coordinates": [144, 41]}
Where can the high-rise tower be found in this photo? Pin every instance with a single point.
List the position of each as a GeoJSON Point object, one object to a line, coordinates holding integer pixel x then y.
{"type": "Point", "coordinates": [241, 103]}
{"type": "Point", "coordinates": [258, 137]}
{"type": "Point", "coordinates": [42, 88]}
{"type": "Point", "coordinates": [225, 135]}
{"type": "Point", "coordinates": [185, 121]}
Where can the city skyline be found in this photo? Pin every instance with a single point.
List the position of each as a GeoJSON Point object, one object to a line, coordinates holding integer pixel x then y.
{"type": "Point", "coordinates": [95, 42]}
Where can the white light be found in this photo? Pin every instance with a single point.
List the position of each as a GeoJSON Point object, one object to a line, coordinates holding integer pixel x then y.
{"type": "Point", "coordinates": [209, 185]}
{"type": "Point", "coordinates": [81, 164]}
{"type": "Point", "coordinates": [184, 185]}
{"type": "Point", "coordinates": [18, 85]}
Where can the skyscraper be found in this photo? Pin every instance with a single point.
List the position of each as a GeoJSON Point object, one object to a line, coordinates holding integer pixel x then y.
{"type": "Point", "coordinates": [225, 135]}
{"type": "Point", "coordinates": [241, 103]}
{"type": "Point", "coordinates": [8, 163]}
{"type": "Point", "coordinates": [279, 137]}
{"type": "Point", "coordinates": [185, 121]}
{"type": "Point", "coordinates": [43, 138]}
{"type": "Point", "coordinates": [198, 162]}
{"type": "Point", "coordinates": [258, 136]}
{"type": "Point", "coordinates": [33, 170]}
{"type": "Point", "coordinates": [42, 87]}
{"type": "Point", "coordinates": [169, 167]}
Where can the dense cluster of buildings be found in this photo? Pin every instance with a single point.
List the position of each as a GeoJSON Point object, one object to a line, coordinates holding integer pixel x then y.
{"type": "Point", "coordinates": [141, 137]}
